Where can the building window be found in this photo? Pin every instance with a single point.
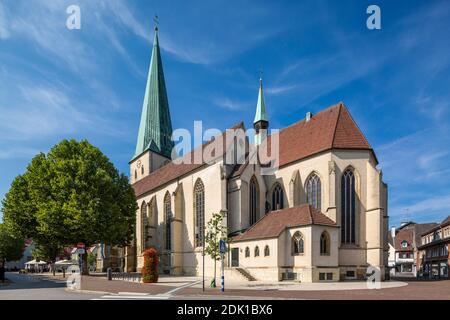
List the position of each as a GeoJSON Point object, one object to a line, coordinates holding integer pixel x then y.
{"type": "Point", "coordinates": [350, 274]}
{"type": "Point", "coordinates": [277, 197]}
{"type": "Point", "coordinates": [313, 191]}
{"type": "Point", "coordinates": [297, 243]}
{"type": "Point", "coordinates": [348, 204]}
{"type": "Point", "coordinates": [256, 251]}
{"type": "Point", "coordinates": [199, 209]}
{"type": "Point", "coordinates": [266, 251]}
{"type": "Point", "coordinates": [329, 276]}
{"type": "Point", "coordinates": [168, 222]}
{"type": "Point", "coordinates": [135, 174]}
{"type": "Point", "coordinates": [254, 200]}
{"type": "Point", "coordinates": [324, 243]}
{"type": "Point", "coordinates": [404, 244]}
{"type": "Point", "coordinates": [142, 170]}
{"type": "Point", "coordinates": [321, 276]}
{"type": "Point", "coordinates": [144, 220]}
{"type": "Point", "coordinates": [247, 252]}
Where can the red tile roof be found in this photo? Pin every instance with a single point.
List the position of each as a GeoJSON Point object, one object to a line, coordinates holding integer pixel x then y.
{"type": "Point", "coordinates": [404, 235]}
{"type": "Point", "coordinates": [332, 128]}
{"type": "Point", "coordinates": [172, 171]}
{"type": "Point", "coordinates": [275, 222]}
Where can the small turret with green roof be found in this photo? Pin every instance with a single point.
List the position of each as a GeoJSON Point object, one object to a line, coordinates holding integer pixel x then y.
{"type": "Point", "coordinates": [261, 121]}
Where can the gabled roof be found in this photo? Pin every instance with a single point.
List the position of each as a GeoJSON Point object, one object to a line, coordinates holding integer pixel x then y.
{"type": "Point", "coordinates": [173, 170]}
{"type": "Point", "coordinates": [437, 226]}
{"type": "Point", "coordinates": [275, 222]}
{"type": "Point", "coordinates": [332, 128]}
{"type": "Point", "coordinates": [404, 235]}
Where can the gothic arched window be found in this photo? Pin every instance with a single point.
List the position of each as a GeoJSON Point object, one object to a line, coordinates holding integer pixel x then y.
{"type": "Point", "coordinates": [168, 222]}
{"type": "Point", "coordinates": [256, 251]}
{"type": "Point", "coordinates": [266, 251]}
{"type": "Point", "coordinates": [324, 243]}
{"type": "Point", "coordinates": [348, 202]}
{"type": "Point", "coordinates": [254, 200]}
{"type": "Point", "coordinates": [298, 243]}
{"type": "Point", "coordinates": [277, 197]}
{"type": "Point", "coordinates": [247, 252]}
{"type": "Point", "coordinates": [313, 191]}
{"type": "Point", "coordinates": [144, 222]}
{"type": "Point", "coordinates": [199, 210]}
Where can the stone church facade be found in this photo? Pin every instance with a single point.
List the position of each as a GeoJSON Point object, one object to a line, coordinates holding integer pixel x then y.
{"type": "Point", "coordinates": [320, 216]}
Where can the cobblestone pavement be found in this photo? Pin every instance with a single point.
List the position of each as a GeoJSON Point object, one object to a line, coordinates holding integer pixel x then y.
{"type": "Point", "coordinates": [415, 290]}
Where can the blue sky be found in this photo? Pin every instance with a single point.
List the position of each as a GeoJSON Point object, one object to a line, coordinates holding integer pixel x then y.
{"type": "Point", "coordinates": [57, 83]}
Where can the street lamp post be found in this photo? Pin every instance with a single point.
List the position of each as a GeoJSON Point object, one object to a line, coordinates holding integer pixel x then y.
{"type": "Point", "coordinates": [203, 253]}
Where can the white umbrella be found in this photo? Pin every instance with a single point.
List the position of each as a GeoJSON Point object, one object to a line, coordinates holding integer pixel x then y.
{"type": "Point", "coordinates": [34, 262]}
{"type": "Point", "coordinates": [66, 263]}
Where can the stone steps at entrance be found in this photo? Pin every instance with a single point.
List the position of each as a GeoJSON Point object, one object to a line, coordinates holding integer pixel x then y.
{"type": "Point", "coordinates": [246, 274]}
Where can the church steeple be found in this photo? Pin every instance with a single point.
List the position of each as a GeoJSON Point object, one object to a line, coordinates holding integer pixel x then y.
{"type": "Point", "coordinates": [155, 129]}
{"type": "Point", "coordinates": [261, 121]}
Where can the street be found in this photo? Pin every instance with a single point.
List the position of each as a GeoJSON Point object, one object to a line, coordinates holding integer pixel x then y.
{"type": "Point", "coordinates": [38, 287]}
{"type": "Point", "coordinates": [28, 287]}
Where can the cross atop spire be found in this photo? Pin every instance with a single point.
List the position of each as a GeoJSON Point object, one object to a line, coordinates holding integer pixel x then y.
{"type": "Point", "coordinates": [156, 21]}
{"type": "Point", "coordinates": [155, 129]}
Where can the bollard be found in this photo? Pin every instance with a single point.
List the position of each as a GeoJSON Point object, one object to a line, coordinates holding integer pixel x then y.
{"type": "Point", "coordinates": [109, 274]}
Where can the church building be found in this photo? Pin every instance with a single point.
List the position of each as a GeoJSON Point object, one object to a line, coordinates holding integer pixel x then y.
{"type": "Point", "coordinates": [321, 215]}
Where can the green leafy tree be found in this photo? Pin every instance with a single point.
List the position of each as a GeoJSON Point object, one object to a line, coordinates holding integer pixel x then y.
{"type": "Point", "coordinates": [91, 259]}
{"type": "Point", "coordinates": [11, 246]}
{"type": "Point", "coordinates": [72, 194]}
{"type": "Point", "coordinates": [215, 231]}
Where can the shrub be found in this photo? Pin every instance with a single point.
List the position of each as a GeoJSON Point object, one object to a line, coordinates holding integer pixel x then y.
{"type": "Point", "coordinates": [150, 268]}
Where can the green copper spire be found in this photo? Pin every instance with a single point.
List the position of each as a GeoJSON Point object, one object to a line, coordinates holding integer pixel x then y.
{"type": "Point", "coordinates": [261, 114]}
{"type": "Point", "coordinates": [261, 122]}
{"type": "Point", "coordinates": [155, 129]}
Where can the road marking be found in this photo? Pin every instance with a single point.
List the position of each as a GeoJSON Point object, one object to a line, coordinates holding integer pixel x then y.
{"type": "Point", "coordinates": [133, 293]}
{"type": "Point", "coordinates": [182, 287]}
{"type": "Point", "coordinates": [125, 297]}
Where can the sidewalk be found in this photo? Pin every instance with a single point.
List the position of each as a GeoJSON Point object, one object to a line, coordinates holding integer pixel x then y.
{"type": "Point", "coordinates": [164, 285]}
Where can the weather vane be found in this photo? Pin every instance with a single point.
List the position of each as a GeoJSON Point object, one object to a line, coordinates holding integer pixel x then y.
{"type": "Point", "coordinates": [156, 21]}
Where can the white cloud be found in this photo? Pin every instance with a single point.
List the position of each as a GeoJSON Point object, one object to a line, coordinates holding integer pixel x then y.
{"type": "Point", "coordinates": [424, 210]}
{"type": "Point", "coordinates": [427, 160]}
{"type": "Point", "coordinates": [229, 104]}
{"type": "Point", "coordinates": [4, 32]}
{"type": "Point", "coordinates": [17, 153]}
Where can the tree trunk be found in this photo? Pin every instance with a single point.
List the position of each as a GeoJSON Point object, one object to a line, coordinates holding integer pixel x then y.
{"type": "Point", "coordinates": [85, 266]}
{"type": "Point", "coordinates": [215, 262]}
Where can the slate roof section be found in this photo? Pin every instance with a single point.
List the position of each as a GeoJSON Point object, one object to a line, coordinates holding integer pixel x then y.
{"type": "Point", "coordinates": [275, 222]}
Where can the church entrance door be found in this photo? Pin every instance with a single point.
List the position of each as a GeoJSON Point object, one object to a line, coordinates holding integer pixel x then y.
{"type": "Point", "coordinates": [235, 257]}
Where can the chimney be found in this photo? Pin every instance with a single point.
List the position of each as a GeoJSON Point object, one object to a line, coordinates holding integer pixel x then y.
{"type": "Point", "coordinates": [308, 116]}
{"type": "Point", "coordinates": [393, 232]}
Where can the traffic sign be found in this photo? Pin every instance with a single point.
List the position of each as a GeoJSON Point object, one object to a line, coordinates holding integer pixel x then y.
{"type": "Point", "coordinates": [222, 246]}
{"type": "Point", "coordinates": [81, 251]}
{"type": "Point", "coordinates": [81, 245]}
